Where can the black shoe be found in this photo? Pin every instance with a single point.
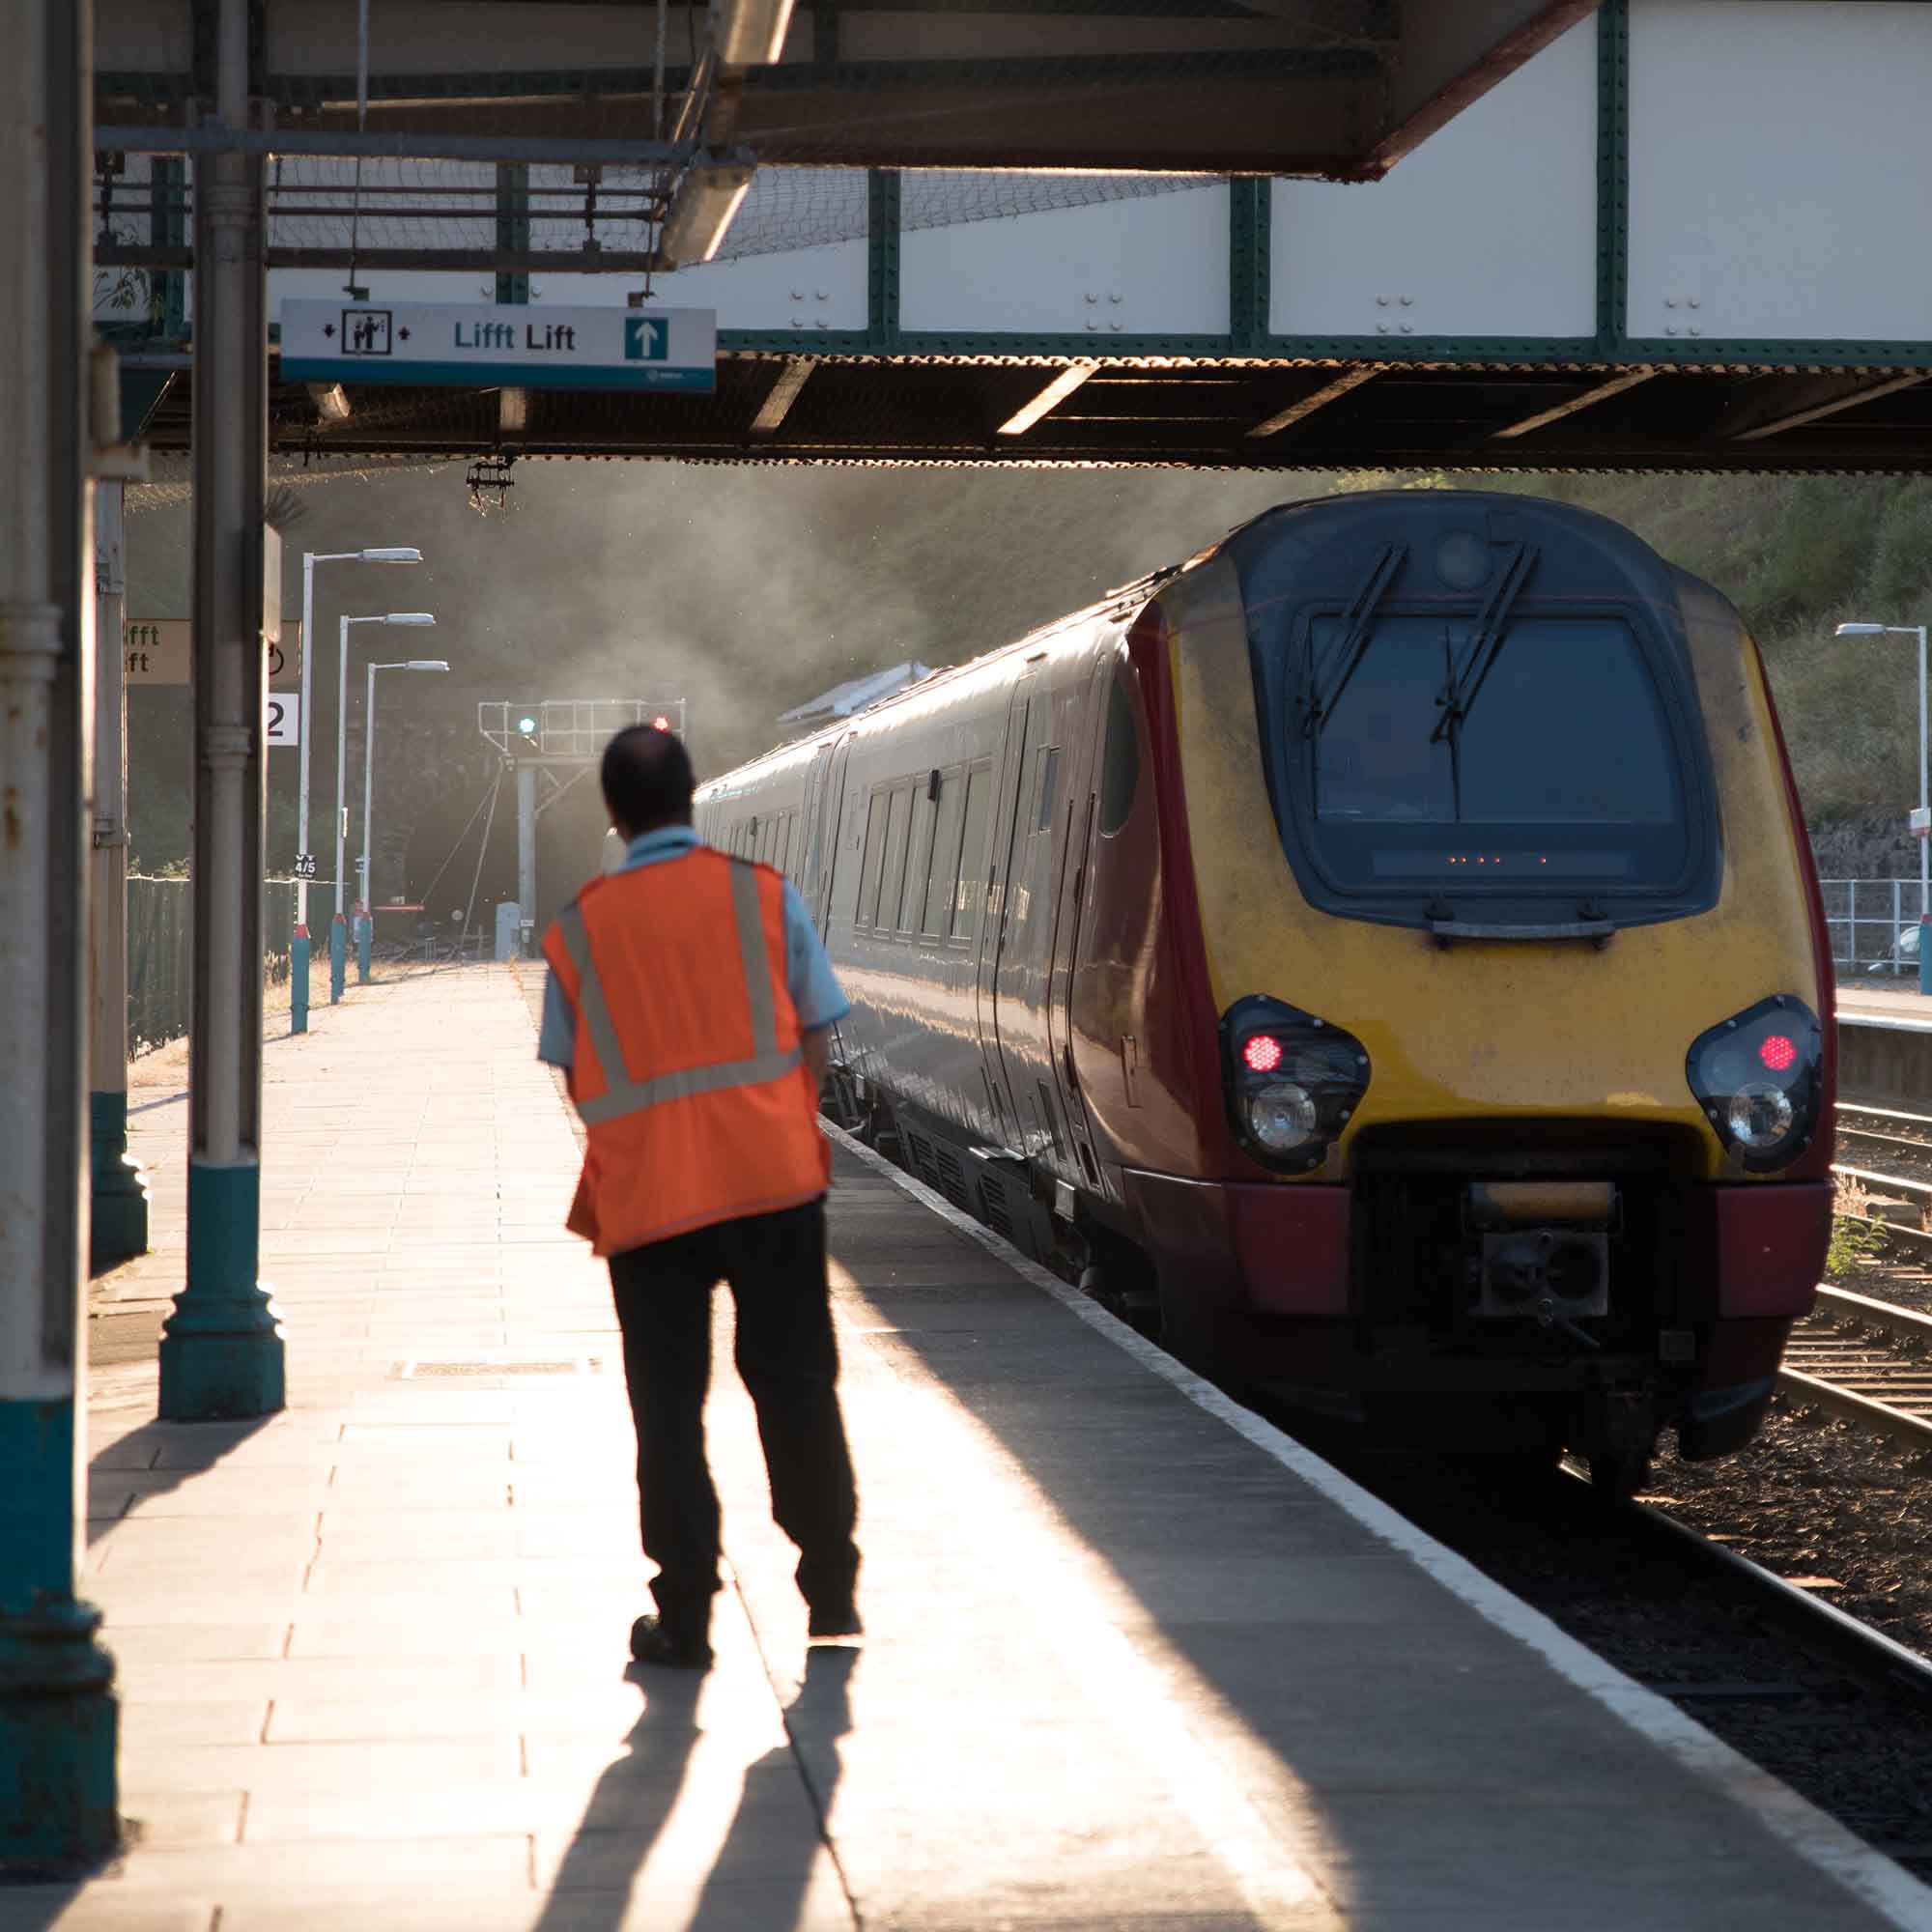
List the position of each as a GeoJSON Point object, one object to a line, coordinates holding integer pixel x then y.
{"type": "Point", "coordinates": [652, 1643]}
{"type": "Point", "coordinates": [835, 1620]}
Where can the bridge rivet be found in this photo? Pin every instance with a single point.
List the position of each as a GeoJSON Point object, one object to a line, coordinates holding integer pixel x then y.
{"type": "Point", "coordinates": [1671, 329]}
{"type": "Point", "coordinates": [1381, 329]}
{"type": "Point", "coordinates": [1409, 302]}
{"type": "Point", "coordinates": [1670, 301]}
{"type": "Point", "coordinates": [1382, 302]}
{"type": "Point", "coordinates": [1696, 302]}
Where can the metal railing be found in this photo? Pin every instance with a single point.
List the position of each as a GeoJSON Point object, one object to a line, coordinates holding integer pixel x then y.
{"type": "Point", "coordinates": [160, 944]}
{"type": "Point", "coordinates": [1873, 923]}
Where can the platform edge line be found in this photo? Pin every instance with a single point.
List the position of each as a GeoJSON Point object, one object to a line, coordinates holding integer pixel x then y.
{"type": "Point", "coordinates": [1812, 1835]}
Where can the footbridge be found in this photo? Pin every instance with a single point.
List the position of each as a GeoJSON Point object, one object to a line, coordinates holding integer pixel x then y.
{"type": "Point", "coordinates": [1657, 233]}
{"type": "Point", "coordinates": [1268, 233]}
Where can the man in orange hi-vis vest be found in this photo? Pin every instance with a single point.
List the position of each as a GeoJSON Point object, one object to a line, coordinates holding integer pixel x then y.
{"type": "Point", "coordinates": [689, 1000]}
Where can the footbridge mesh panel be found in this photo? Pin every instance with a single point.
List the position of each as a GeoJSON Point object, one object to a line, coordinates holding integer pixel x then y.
{"type": "Point", "coordinates": [427, 209]}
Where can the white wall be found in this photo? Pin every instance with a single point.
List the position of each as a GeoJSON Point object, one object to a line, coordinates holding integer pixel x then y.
{"type": "Point", "coordinates": [1488, 228]}
{"type": "Point", "coordinates": [1780, 165]}
{"type": "Point", "coordinates": [1157, 264]}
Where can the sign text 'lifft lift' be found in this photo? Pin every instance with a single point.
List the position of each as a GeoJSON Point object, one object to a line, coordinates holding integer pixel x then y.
{"type": "Point", "coordinates": [496, 342]}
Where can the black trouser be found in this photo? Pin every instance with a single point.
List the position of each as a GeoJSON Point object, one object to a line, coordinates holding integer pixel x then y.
{"type": "Point", "coordinates": [790, 1362]}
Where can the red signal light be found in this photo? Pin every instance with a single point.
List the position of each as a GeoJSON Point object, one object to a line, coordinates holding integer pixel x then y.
{"type": "Point", "coordinates": [1777, 1052]}
{"type": "Point", "coordinates": [659, 723]}
{"type": "Point", "coordinates": [1260, 1053]}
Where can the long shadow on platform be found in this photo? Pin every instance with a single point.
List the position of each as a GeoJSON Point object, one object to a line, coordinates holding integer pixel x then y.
{"type": "Point", "coordinates": [1379, 1731]}
{"type": "Point", "coordinates": [196, 1446]}
{"type": "Point", "coordinates": [637, 1793]}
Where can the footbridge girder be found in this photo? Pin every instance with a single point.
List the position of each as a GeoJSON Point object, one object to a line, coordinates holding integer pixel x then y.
{"type": "Point", "coordinates": [1334, 88]}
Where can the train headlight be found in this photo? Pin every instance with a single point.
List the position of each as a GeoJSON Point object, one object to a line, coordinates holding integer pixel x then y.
{"type": "Point", "coordinates": [1282, 1117]}
{"type": "Point", "coordinates": [1292, 1081]}
{"type": "Point", "coordinates": [1756, 1076]}
{"type": "Point", "coordinates": [1759, 1116]}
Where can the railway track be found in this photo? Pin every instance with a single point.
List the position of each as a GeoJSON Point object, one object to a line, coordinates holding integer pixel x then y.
{"type": "Point", "coordinates": [1864, 1361]}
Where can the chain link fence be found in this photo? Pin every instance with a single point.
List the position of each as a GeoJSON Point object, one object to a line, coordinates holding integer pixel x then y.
{"type": "Point", "coordinates": [160, 950]}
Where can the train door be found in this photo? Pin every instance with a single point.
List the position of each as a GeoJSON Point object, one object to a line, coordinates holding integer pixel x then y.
{"type": "Point", "coordinates": [828, 821]}
{"type": "Point", "coordinates": [814, 848]}
{"type": "Point", "coordinates": [1023, 930]}
{"type": "Point", "coordinates": [1075, 870]}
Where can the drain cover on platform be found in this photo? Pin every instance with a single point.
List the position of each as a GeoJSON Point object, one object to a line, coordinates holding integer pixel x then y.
{"type": "Point", "coordinates": [573, 1365]}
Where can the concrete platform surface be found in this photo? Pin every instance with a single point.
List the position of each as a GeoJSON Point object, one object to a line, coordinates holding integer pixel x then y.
{"type": "Point", "coordinates": [1899, 1003]}
{"type": "Point", "coordinates": [1135, 1660]}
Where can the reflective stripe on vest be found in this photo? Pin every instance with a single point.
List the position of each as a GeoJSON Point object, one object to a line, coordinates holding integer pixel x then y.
{"type": "Point", "coordinates": [624, 1095]}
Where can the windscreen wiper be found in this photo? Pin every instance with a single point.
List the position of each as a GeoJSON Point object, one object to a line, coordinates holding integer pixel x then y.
{"type": "Point", "coordinates": [1466, 678]}
{"type": "Point", "coordinates": [1345, 655]}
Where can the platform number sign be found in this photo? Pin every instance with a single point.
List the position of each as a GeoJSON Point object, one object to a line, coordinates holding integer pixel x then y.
{"type": "Point", "coordinates": [285, 719]}
{"type": "Point", "coordinates": [304, 864]}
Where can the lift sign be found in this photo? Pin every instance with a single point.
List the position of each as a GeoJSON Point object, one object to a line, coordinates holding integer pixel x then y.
{"type": "Point", "coordinates": [499, 344]}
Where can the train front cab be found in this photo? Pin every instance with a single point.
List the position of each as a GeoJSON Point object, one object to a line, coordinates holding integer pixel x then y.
{"type": "Point", "coordinates": [1516, 994]}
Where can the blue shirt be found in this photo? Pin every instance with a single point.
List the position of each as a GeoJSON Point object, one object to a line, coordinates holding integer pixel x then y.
{"type": "Point", "coordinates": [814, 992]}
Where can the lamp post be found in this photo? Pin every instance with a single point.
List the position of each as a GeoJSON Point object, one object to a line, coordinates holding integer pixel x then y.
{"type": "Point", "coordinates": [338, 931]}
{"type": "Point", "coordinates": [298, 949]}
{"type": "Point", "coordinates": [366, 931]}
{"type": "Point", "coordinates": [1925, 795]}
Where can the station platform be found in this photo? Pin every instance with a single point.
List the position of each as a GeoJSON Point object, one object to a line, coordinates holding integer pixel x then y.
{"type": "Point", "coordinates": [1896, 1004]}
{"type": "Point", "coordinates": [1135, 1662]}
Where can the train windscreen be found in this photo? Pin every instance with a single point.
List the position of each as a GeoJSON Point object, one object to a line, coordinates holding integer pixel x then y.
{"type": "Point", "coordinates": [1557, 768]}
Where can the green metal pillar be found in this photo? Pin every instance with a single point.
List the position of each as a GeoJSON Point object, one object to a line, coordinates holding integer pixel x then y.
{"type": "Point", "coordinates": [119, 1228]}
{"type": "Point", "coordinates": [221, 1349]}
{"type": "Point", "coordinates": [58, 1714]}
{"type": "Point", "coordinates": [513, 226]}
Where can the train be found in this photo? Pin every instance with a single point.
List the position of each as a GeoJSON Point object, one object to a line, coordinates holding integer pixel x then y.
{"type": "Point", "coordinates": [1380, 956]}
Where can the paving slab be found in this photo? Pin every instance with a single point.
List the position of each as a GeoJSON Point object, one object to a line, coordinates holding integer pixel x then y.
{"type": "Point", "coordinates": [1130, 1663]}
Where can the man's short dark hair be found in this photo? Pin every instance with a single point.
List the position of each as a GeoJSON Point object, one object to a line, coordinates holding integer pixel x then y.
{"type": "Point", "coordinates": [648, 778]}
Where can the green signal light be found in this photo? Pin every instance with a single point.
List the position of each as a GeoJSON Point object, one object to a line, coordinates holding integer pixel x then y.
{"type": "Point", "coordinates": [527, 725]}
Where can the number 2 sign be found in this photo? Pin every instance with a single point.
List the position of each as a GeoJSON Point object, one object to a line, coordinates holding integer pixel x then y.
{"type": "Point", "coordinates": [285, 719]}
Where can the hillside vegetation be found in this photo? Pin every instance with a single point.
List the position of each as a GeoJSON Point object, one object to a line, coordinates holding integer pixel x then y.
{"type": "Point", "coordinates": [1798, 556]}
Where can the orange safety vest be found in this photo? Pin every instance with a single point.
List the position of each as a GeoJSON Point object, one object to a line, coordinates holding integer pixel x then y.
{"type": "Point", "coordinates": [686, 1067]}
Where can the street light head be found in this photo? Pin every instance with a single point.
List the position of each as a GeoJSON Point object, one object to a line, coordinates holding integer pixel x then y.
{"type": "Point", "coordinates": [1861, 630]}
{"type": "Point", "coordinates": [427, 664]}
{"type": "Point", "coordinates": [402, 553]}
{"type": "Point", "coordinates": [411, 617]}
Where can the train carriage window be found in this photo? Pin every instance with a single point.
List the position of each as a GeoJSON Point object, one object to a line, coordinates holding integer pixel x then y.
{"type": "Point", "coordinates": [1119, 759]}
{"type": "Point", "coordinates": [782, 844]}
{"type": "Point", "coordinates": [892, 878]}
{"type": "Point", "coordinates": [944, 873]}
{"type": "Point", "coordinates": [1049, 787]}
{"type": "Point", "coordinates": [919, 860]}
{"type": "Point", "coordinates": [875, 852]}
{"type": "Point", "coordinates": [971, 895]}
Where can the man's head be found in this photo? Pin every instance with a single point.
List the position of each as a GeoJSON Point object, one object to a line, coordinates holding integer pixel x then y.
{"type": "Point", "coordinates": [647, 780]}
